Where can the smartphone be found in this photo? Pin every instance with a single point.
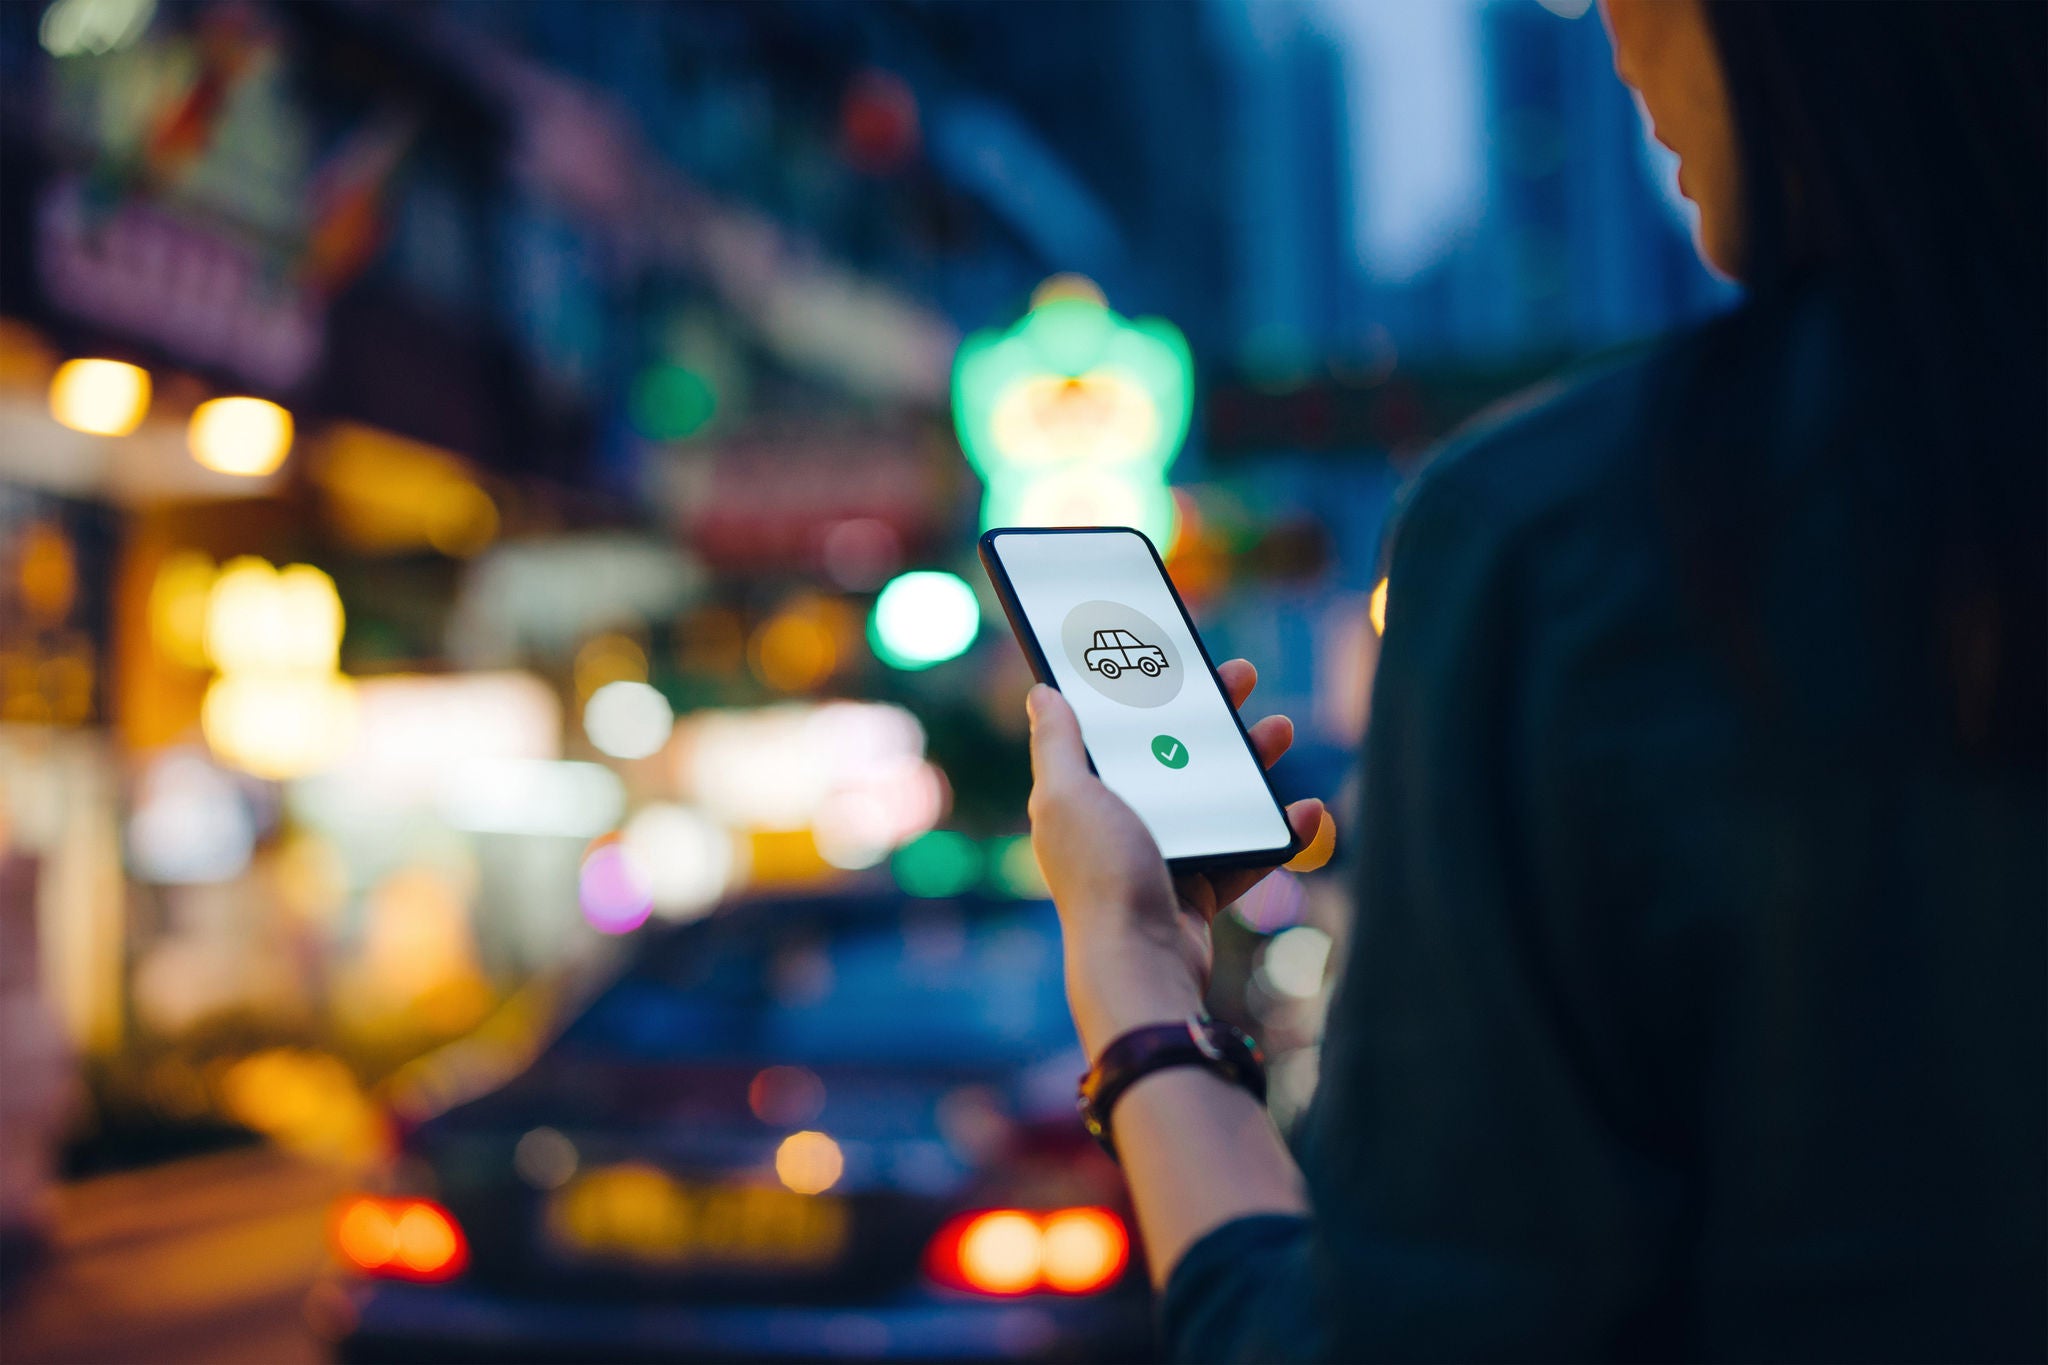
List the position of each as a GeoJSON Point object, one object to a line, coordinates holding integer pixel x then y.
{"type": "Point", "coordinates": [1100, 620]}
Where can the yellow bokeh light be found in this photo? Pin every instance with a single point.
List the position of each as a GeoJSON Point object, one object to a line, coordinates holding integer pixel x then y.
{"type": "Point", "coordinates": [177, 606]}
{"type": "Point", "coordinates": [386, 493]}
{"type": "Point", "coordinates": [100, 397]}
{"type": "Point", "coordinates": [795, 650]}
{"type": "Point", "coordinates": [462, 522]}
{"type": "Point", "coordinates": [606, 659]}
{"type": "Point", "coordinates": [270, 620]}
{"type": "Point", "coordinates": [1002, 1253]}
{"type": "Point", "coordinates": [279, 725]}
{"type": "Point", "coordinates": [1083, 1250]}
{"type": "Point", "coordinates": [1377, 607]}
{"type": "Point", "coordinates": [244, 436]}
{"type": "Point", "coordinates": [809, 1162]}
{"type": "Point", "coordinates": [1320, 848]}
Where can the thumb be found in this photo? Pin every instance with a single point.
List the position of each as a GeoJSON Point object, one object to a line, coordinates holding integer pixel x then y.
{"type": "Point", "coordinates": [1057, 756]}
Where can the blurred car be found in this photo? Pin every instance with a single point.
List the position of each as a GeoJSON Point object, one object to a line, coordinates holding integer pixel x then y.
{"type": "Point", "coordinates": [829, 1128]}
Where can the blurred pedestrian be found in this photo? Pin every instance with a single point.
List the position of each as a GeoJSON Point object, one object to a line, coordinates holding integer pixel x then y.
{"type": "Point", "coordinates": [1695, 1004]}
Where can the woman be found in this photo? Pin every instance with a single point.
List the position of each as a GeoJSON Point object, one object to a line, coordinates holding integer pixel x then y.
{"type": "Point", "coordinates": [1695, 1004]}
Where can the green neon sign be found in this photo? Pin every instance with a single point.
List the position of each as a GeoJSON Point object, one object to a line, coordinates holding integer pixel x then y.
{"type": "Point", "coordinates": [1073, 416]}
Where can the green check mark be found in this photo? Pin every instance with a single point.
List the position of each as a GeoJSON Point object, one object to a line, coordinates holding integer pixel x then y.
{"type": "Point", "coordinates": [1170, 751]}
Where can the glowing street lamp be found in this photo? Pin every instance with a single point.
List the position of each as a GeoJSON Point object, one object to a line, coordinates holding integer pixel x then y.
{"type": "Point", "coordinates": [1073, 416]}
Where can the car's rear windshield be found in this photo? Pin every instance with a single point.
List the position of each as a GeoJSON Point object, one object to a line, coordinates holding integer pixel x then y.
{"type": "Point", "coordinates": [933, 984]}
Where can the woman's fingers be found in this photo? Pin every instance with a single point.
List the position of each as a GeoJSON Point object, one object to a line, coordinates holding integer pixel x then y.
{"type": "Point", "coordinates": [1304, 817]}
{"type": "Point", "coordinates": [1271, 738]}
{"type": "Point", "coordinates": [1057, 756]}
{"type": "Point", "coordinates": [1239, 678]}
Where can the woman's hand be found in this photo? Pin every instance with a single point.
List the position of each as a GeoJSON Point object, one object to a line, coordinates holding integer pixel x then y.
{"type": "Point", "coordinates": [1137, 941]}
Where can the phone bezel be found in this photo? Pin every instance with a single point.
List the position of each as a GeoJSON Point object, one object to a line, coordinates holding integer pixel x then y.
{"type": "Point", "coordinates": [1020, 626]}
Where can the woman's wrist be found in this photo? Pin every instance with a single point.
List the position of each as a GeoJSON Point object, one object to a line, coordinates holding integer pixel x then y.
{"type": "Point", "coordinates": [1112, 992]}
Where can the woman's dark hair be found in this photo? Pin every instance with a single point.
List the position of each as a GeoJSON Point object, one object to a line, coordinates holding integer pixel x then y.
{"type": "Point", "coordinates": [1896, 155]}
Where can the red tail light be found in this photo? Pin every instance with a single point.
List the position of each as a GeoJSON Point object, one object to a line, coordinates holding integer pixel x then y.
{"type": "Point", "coordinates": [1011, 1251]}
{"type": "Point", "coordinates": [405, 1239]}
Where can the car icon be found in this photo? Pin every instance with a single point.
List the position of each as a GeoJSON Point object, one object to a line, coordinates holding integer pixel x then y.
{"type": "Point", "coordinates": [1116, 650]}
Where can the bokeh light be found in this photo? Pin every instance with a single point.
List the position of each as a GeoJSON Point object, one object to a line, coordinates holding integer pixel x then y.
{"type": "Point", "coordinates": [612, 890]}
{"type": "Point", "coordinates": [1272, 905]}
{"type": "Point", "coordinates": [178, 598]}
{"type": "Point", "coordinates": [1014, 868]}
{"type": "Point", "coordinates": [670, 402]}
{"type": "Point", "coordinates": [688, 860]}
{"type": "Point", "coordinates": [79, 28]}
{"type": "Point", "coordinates": [941, 863]}
{"type": "Point", "coordinates": [1294, 962]}
{"type": "Point", "coordinates": [191, 824]}
{"type": "Point", "coordinates": [1001, 1252]}
{"type": "Point", "coordinates": [413, 1239]}
{"type": "Point", "coordinates": [265, 620]}
{"type": "Point", "coordinates": [1322, 846]}
{"type": "Point", "coordinates": [243, 436]}
{"type": "Point", "coordinates": [786, 1095]}
{"type": "Point", "coordinates": [924, 618]}
{"type": "Point", "coordinates": [279, 725]}
{"type": "Point", "coordinates": [100, 397]}
{"type": "Point", "coordinates": [796, 649]}
{"type": "Point", "coordinates": [545, 1158]}
{"type": "Point", "coordinates": [1083, 1250]}
{"type": "Point", "coordinates": [608, 658]}
{"type": "Point", "coordinates": [1377, 607]}
{"type": "Point", "coordinates": [628, 720]}
{"type": "Point", "coordinates": [809, 1162]}
{"type": "Point", "coordinates": [860, 553]}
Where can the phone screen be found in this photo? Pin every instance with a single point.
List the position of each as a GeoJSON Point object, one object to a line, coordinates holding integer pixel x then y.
{"type": "Point", "coordinates": [1154, 718]}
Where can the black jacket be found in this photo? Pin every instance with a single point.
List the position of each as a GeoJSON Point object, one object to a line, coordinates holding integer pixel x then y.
{"type": "Point", "coordinates": [1672, 1025]}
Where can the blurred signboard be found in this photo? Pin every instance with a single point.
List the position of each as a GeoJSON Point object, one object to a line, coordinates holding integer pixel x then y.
{"type": "Point", "coordinates": [144, 273]}
{"type": "Point", "coordinates": [772, 500]}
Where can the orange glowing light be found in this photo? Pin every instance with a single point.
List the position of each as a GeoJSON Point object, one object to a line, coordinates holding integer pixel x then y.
{"type": "Point", "coordinates": [809, 1162]}
{"type": "Point", "coordinates": [1011, 1251]}
{"type": "Point", "coordinates": [48, 573]}
{"type": "Point", "coordinates": [426, 1240]}
{"type": "Point", "coordinates": [1001, 1253]}
{"type": "Point", "coordinates": [1320, 848]}
{"type": "Point", "coordinates": [796, 650]}
{"type": "Point", "coordinates": [366, 1234]}
{"type": "Point", "coordinates": [1084, 1250]}
{"type": "Point", "coordinates": [1377, 607]}
{"type": "Point", "coordinates": [412, 1239]}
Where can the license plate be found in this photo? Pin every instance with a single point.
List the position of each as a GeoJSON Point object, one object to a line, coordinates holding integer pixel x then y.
{"type": "Point", "coordinates": [639, 1213]}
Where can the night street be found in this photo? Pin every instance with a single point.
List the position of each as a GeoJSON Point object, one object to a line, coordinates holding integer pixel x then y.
{"type": "Point", "coordinates": [203, 1260]}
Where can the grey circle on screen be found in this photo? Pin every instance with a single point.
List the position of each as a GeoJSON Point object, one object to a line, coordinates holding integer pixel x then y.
{"type": "Point", "coordinates": [1123, 654]}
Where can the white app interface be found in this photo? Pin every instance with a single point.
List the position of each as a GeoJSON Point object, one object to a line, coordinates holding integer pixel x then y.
{"type": "Point", "coordinates": [1156, 724]}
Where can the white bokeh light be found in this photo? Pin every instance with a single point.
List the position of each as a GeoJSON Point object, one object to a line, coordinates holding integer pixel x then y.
{"type": "Point", "coordinates": [628, 719]}
{"type": "Point", "coordinates": [1294, 962]}
{"type": "Point", "coordinates": [687, 859]}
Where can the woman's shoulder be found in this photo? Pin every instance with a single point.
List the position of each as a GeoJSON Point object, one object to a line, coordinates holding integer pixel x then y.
{"type": "Point", "coordinates": [1549, 448]}
{"type": "Point", "coordinates": [1595, 434]}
